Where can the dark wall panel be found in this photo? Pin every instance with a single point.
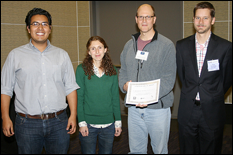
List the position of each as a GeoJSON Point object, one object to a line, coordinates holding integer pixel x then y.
{"type": "Point", "coordinates": [115, 22]}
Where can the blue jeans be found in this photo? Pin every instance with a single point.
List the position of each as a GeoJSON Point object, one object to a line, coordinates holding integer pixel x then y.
{"type": "Point", "coordinates": [155, 122]}
{"type": "Point", "coordinates": [34, 134]}
{"type": "Point", "coordinates": [105, 140]}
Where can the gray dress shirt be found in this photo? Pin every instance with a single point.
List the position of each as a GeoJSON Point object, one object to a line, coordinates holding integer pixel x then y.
{"type": "Point", "coordinates": [41, 80]}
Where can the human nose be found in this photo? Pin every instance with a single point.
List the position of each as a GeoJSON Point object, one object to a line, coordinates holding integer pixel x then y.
{"type": "Point", "coordinates": [143, 19]}
{"type": "Point", "coordinates": [40, 26]}
{"type": "Point", "coordinates": [201, 21]}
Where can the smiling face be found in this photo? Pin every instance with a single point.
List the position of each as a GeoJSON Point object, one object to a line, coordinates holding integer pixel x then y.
{"type": "Point", "coordinates": [40, 33]}
{"type": "Point", "coordinates": [97, 51]}
{"type": "Point", "coordinates": [203, 21]}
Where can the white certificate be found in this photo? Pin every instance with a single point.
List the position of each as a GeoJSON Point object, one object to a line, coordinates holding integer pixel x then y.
{"type": "Point", "coordinates": [143, 92]}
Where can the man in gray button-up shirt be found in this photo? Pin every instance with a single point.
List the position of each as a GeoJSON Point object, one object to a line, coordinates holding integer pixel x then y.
{"type": "Point", "coordinates": [42, 76]}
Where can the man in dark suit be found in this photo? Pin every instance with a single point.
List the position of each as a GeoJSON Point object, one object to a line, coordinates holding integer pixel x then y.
{"type": "Point", "coordinates": [204, 66]}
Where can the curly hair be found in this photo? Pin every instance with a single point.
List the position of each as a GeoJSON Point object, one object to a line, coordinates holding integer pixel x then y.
{"type": "Point", "coordinates": [106, 63]}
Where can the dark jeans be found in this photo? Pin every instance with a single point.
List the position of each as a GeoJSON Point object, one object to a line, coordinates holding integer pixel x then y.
{"type": "Point", "coordinates": [105, 140]}
{"type": "Point", "coordinates": [34, 134]}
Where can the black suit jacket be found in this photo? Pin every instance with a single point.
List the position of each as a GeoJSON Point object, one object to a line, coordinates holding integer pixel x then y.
{"type": "Point", "coordinates": [211, 85]}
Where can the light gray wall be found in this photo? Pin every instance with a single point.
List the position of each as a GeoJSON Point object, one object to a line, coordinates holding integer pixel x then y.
{"type": "Point", "coordinates": [115, 22]}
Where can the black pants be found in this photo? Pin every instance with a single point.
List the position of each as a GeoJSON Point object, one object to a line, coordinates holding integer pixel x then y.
{"type": "Point", "coordinates": [197, 137]}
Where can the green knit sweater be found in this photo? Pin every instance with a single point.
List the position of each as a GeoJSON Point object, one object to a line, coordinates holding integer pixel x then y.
{"type": "Point", "coordinates": [98, 98]}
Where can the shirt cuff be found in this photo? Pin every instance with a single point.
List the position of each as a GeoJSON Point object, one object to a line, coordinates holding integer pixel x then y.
{"type": "Point", "coordinates": [117, 124]}
{"type": "Point", "coordinates": [82, 124]}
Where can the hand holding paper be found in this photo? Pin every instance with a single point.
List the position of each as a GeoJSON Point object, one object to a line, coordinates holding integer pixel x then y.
{"type": "Point", "coordinates": [143, 92]}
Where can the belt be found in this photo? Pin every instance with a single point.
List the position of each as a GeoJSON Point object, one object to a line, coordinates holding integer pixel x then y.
{"type": "Point", "coordinates": [43, 116]}
{"type": "Point", "coordinates": [198, 103]}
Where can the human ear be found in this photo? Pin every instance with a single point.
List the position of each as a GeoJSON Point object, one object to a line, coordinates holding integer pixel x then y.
{"type": "Point", "coordinates": [213, 21]}
{"type": "Point", "coordinates": [29, 31]}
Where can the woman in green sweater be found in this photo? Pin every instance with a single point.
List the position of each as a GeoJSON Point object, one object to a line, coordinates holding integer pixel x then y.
{"type": "Point", "coordinates": [98, 99]}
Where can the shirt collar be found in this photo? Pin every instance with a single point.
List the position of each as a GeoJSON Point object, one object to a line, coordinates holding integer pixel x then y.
{"type": "Point", "coordinates": [96, 71]}
{"type": "Point", "coordinates": [154, 37]}
{"type": "Point", "coordinates": [206, 43]}
{"type": "Point", "coordinates": [33, 47]}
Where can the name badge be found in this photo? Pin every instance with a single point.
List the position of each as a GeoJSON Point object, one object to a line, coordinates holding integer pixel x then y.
{"type": "Point", "coordinates": [213, 65]}
{"type": "Point", "coordinates": [142, 55]}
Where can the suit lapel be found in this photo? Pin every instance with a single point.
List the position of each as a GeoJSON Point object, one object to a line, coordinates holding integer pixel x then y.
{"type": "Point", "coordinates": [210, 49]}
{"type": "Point", "coordinates": [192, 48]}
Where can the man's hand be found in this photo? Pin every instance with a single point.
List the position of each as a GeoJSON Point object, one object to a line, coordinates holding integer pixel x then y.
{"type": "Point", "coordinates": [125, 87]}
{"type": "Point", "coordinates": [141, 105]}
{"type": "Point", "coordinates": [71, 123]}
{"type": "Point", "coordinates": [72, 101]}
{"type": "Point", "coordinates": [7, 127]}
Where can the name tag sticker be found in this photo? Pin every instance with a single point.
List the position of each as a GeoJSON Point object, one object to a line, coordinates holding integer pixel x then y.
{"type": "Point", "coordinates": [142, 55]}
{"type": "Point", "coordinates": [213, 65]}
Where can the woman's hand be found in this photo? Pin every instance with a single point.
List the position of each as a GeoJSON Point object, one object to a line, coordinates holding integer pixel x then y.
{"type": "Point", "coordinates": [84, 131]}
{"type": "Point", "coordinates": [117, 132]}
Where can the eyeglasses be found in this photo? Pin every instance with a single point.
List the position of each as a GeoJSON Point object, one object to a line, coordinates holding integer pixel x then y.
{"type": "Point", "coordinates": [146, 17]}
{"type": "Point", "coordinates": [37, 24]}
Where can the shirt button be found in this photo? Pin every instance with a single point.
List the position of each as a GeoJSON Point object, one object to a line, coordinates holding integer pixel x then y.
{"type": "Point", "coordinates": [45, 96]}
{"type": "Point", "coordinates": [42, 63]}
{"type": "Point", "coordinates": [43, 73]}
{"type": "Point", "coordinates": [44, 84]}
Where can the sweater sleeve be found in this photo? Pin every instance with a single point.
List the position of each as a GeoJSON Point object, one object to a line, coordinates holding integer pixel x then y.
{"type": "Point", "coordinates": [80, 79]}
{"type": "Point", "coordinates": [116, 99]}
{"type": "Point", "coordinates": [168, 71]}
{"type": "Point", "coordinates": [123, 70]}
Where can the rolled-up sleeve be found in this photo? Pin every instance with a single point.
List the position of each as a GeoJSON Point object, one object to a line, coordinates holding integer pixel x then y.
{"type": "Point", "coordinates": [8, 75]}
{"type": "Point", "coordinates": [69, 77]}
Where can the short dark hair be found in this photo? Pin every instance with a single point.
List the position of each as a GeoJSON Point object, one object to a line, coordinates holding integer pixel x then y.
{"type": "Point", "coordinates": [37, 11]}
{"type": "Point", "coordinates": [204, 5]}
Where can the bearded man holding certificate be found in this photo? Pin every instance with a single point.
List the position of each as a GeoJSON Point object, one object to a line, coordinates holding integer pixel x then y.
{"type": "Point", "coordinates": [146, 57]}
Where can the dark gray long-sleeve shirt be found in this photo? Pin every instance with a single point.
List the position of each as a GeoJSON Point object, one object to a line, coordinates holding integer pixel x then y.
{"type": "Point", "coordinates": [161, 64]}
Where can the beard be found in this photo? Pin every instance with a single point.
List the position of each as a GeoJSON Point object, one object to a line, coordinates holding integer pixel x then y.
{"type": "Point", "coordinates": [203, 29]}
